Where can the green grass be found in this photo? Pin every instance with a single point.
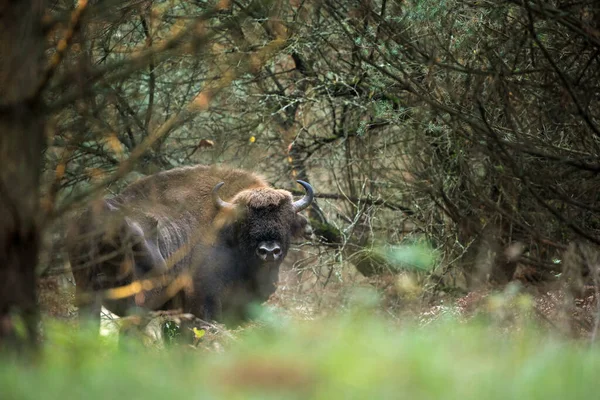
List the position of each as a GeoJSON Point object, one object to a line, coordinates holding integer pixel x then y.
{"type": "Point", "coordinates": [352, 356]}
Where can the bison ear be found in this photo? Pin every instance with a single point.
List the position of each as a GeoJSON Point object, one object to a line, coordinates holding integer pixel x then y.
{"type": "Point", "coordinates": [301, 227]}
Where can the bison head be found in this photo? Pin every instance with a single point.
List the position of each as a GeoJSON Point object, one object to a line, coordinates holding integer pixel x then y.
{"type": "Point", "coordinates": [266, 221]}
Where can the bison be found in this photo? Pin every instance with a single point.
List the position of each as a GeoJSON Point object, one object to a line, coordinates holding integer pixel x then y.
{"type": "Point", "coordinates": [225, 229]}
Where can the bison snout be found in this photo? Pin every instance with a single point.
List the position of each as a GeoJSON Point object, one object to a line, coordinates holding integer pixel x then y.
{"type": "Point", "coordinates": [269, 251]}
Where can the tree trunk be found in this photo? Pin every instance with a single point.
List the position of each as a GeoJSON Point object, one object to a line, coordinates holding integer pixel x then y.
{"type": "Point", "coordinates": [21, 144]}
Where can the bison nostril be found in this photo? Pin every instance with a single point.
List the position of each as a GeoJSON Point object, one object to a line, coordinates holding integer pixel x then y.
{"type": "Point", "coordinates": [269, 251]}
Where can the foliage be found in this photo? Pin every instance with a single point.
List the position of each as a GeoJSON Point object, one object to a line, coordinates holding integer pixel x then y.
{"type": "Point", "coordinates": [352, 356]}
{"type": "Point", "coordinates": [417, 256]}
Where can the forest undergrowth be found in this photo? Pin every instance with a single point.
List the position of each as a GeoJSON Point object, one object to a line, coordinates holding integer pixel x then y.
{"type": "Point", "coordinates": [483, 345]}
{"type": "Point", "coordinates": [399, 298]}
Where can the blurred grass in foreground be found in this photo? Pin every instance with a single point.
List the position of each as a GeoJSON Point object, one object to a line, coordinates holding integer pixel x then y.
{"type": "Point", "coordinates": [352, 356]}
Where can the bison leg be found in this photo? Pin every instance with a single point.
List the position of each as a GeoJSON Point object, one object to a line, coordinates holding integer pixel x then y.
{"type": "Point", "coordinates": [213, 309]}
{"type": "Point", "coordinates": [210, 310]}
{"type": "Point", "coordinates": [89, 305]}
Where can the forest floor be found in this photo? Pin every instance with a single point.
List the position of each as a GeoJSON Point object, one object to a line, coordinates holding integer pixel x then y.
{"type": "Point", "coordinates": [328, 336]}
{"type": "Point", "coordinates": [306, 296]}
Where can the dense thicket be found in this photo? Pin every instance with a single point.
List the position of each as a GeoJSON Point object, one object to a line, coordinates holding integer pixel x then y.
{"type": "Point", "coordinates": [473, 125]}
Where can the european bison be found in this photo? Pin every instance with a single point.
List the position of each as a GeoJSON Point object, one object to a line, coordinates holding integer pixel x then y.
{"type": "Point", "coordinates": [226, 229]}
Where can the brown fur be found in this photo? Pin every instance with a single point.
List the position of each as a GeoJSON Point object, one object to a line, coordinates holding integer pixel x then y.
{"type": "Point", "coordinates": [262, 198]}
{"type": "Point", "coordinates": [221, 244]}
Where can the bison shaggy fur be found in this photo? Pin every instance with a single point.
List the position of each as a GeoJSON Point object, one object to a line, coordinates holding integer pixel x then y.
{"type": "Point", "coordinates": [208, 240]}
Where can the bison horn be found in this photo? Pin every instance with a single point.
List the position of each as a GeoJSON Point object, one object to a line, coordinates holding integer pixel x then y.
{"type": "Point", "coordinates": [306, 200]}
{"type": "Point", "coordinates": [220, 203]}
